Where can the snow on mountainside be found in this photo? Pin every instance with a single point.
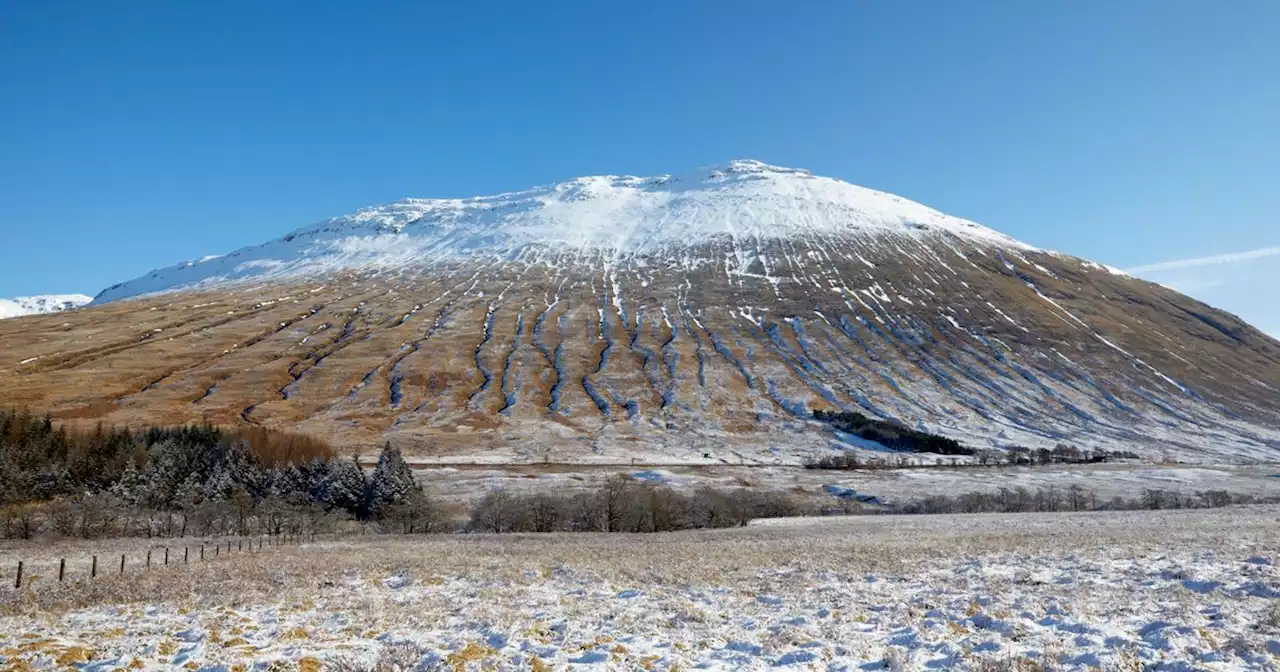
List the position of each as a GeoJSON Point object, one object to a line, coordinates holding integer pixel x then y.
{"type": "Point", "coordinates": [663, 318]}
{"type": "Point", "coordinates": [742, 200]}
{"type": "Point", "coordinates": [35, 305]}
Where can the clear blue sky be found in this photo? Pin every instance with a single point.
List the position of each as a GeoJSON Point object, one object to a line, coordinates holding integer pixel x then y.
{"type": "Point", "coordinates": [137, 134]}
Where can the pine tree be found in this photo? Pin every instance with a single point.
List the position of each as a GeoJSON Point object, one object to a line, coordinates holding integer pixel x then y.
{"type": "Point", "coordinates": [237, 471]}
{"type": "Point", "coordinates": [189, 494]}
{"type": "Point", "coordinates": [130, 486]}
{"type": "Point", "coordinates": [344, 486]}
{"type": "Point", "coordinates": [221, 484]}
{"type": "Point", "coordinates": [392, 482]}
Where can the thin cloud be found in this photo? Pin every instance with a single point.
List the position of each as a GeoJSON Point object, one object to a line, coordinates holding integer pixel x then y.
{"type": "Point", "coordinates": [1234, 258]}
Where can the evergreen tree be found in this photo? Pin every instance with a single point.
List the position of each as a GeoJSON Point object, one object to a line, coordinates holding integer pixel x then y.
{"type": "Point", "coordinates": [343, 487]}
{"type": "Point", "coordinates": [236, 472]}
{"type": "Point", "coordinates": [130, 486]}
{"type": "Point", "coordinates": [392, 482]}
{"type": "Point", "coordinates": [190, 493]}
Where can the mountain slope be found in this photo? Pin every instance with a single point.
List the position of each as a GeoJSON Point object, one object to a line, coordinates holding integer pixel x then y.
{"type": "Point", "coordinates": [36, 305]}
{"type": "Point", "coordinates": [672, 317]}
{"type": "Point", "coordinates": [615, 218]}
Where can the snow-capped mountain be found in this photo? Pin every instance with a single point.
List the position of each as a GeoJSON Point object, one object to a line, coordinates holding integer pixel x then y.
{"type": "Point", "coordinates": [35, 305]}
{"type": "Point", "coordinates": [671, 318]}
{"type": "Point", "coordinates": [747, 202]}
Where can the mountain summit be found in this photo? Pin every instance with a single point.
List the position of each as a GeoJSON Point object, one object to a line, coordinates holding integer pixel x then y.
{"type": "Point", "coordinates": [691, 317]}
{"type": "Point", "coordinates": [743, 202]}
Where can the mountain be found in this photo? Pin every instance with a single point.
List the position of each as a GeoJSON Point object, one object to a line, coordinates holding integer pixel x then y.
{"type": "Point", "coordinates": [672, 317]}
{"type": "Point", "coordinates": [36, 305]}
{"type": "Point", "coordinates": [612, 218]}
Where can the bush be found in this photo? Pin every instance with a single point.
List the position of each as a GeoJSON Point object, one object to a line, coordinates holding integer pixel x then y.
{"type": "Point", "coordinates": [392, 657]}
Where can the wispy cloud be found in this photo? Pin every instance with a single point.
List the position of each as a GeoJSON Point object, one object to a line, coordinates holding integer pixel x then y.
{"type": "Point", "coordinates": [1215, 260]}
{"type": "Point", "coordinates": [1242, 283]}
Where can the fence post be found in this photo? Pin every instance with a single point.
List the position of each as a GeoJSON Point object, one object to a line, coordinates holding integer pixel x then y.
{"type": "Point", "coordinates": [202, 552]}
{"type": "Point", "coordinates": [17, 583]}
{"type": "Point", "coordinates": [148, 559]}
{"type": "Point", "coordinates": [166, 556]}
{"type": "Point", "coordinates": [240, 545]}
{"type": "Point", "coordinates": [93, 571]}
{"type": "Point", "coordinates": [122, 563]}
{"type": "Point", "coordinates": [186, 552]}
{"type": "Point", "coordinates": [62, 569]}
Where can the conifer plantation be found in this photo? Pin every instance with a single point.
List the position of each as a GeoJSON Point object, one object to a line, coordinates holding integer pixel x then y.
{"type": "Point", "coordinates": [191, 480]}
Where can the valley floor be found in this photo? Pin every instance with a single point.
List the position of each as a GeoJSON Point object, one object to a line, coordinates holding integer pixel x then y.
{"type": "Point", "coordinates": [1175, 590]}
{"type": "Point", "coordinates": [460, 479]}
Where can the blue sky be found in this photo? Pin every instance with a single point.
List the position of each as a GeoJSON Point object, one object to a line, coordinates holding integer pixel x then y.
{"type": "Point", "coordinates": [134, 135]}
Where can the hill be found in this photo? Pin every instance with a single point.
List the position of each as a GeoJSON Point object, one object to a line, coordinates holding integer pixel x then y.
{"type": "Point", "coordinates": [692, 317]}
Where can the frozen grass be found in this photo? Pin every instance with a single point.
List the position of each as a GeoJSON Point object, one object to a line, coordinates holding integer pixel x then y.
{"type": "Point", "coordinates": [1106, 480]}
{"type": "Point", "coordinates": [1116, 590]}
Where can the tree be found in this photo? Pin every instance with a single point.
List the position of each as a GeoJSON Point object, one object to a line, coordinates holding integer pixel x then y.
{"type": "Point", "coordinates": [498, 511]}
{"type": "Point", "coordinates": [130, 486]}
{"type": "Point", "coordinates": [343, 487]}
{"type": "Point", "coordinates": [392, 482]}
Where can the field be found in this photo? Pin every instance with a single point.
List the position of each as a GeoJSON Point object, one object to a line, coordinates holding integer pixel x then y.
{"type": "Point", "coordinates": [1116, 590]}
{"type": "Point", "coordinates": [459, 481]}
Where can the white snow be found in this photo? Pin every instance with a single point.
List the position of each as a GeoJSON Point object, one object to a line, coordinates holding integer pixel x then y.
{"type": "Point", "coordinates": [1158, 590]}
{"type": "Point", "coordinates": [743, 202]}
{"type": "Point", "coordinates": [45, 303]}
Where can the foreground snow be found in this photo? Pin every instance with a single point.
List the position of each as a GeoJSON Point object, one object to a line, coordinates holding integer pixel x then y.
{"type": "Point", "coordinates": [1157, 590]}
{"type": "Point", "coordinates": [35, 305]}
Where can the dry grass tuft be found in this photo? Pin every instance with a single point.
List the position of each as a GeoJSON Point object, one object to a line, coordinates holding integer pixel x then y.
{"type": "Point", "coordinates": [393, 657]}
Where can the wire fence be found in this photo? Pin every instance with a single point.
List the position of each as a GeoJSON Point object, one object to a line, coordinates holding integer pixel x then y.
{"type": "Point", "coordinates": [89, 566]}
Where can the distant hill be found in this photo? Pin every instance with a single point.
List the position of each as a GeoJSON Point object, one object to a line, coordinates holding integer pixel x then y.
{"type": "Point", "coordinates": [36, 305]}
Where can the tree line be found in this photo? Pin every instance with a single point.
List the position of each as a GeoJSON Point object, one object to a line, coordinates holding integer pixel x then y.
{"type": "Point", "coordinates": [1073, 498]}
{"type": "Point", "coordinates": [1013, 456]}
{"type": "Point", "coordinates": [208, 481]}
{"type": "Point", "coordinates": [624, 504]}
{"type": "Point", "coordinates": [200, 480]}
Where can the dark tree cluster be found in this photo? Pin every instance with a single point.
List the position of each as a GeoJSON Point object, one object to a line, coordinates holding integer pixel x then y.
{"type": "Point", "coordinates": [892, 435]}
{"type": "Point", "coordinates": [40, 460]}
{"type": "Point", "coordinates": [191, 480]}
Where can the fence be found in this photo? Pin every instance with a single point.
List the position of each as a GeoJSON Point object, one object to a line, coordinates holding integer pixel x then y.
{"type": "Point", "coordinates": [156, 557]}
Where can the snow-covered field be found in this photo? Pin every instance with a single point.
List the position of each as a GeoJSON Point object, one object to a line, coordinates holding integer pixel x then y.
{"type": "Point", "coordinates": [1124, 591]}
{"type": "Point", "coordinates": [461, 483]}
